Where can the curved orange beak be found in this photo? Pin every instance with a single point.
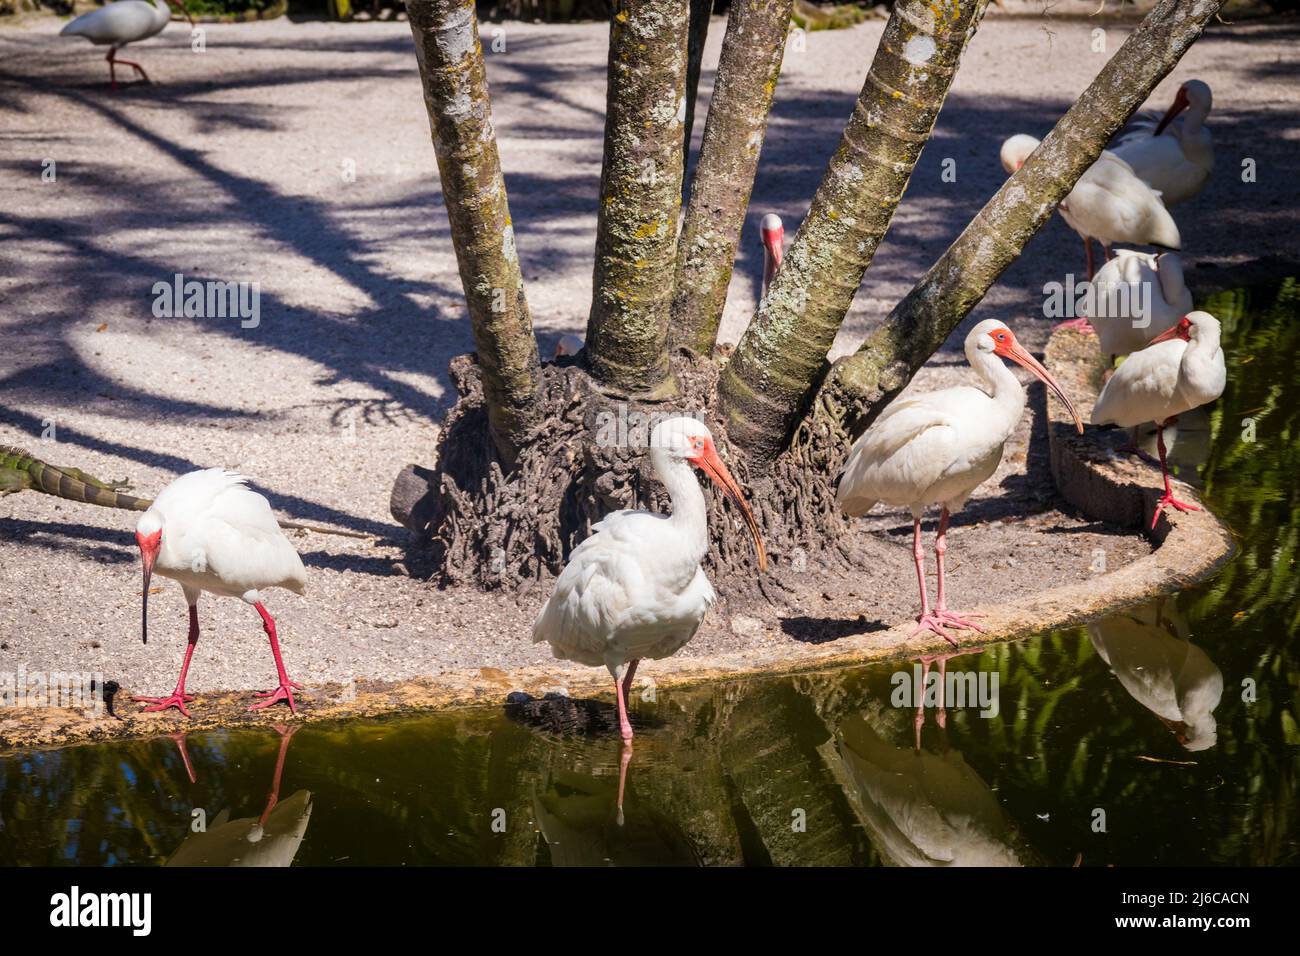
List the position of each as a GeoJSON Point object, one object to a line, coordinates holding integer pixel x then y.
{"type": "Point", "coordinates": [1180, 103]}
{"type": "Point", "coordinates": [709, 462]}
{"type": "Point", "coordinates": [148, 554]}
{"type": "Point", "coordinates": [1016, 352]}
{"type": "Point", "coordinates": [1180, 331]}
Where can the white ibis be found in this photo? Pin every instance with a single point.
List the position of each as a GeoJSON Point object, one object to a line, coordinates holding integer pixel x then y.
{"type": "Point", "coordinates": [1109, 203]}
{"type": "Point", "coordinates": [1130, 279]}
{"type": "Point", "coordinates": [126, 21]}
{"type": "Point", "coordinates": [1175, 158]}
{"type": "Point", "coordinates": [1162, 671]}
{"type": "Point", "coordinates": [938, 447]}
{"type": "Point", "coordinates": [1180, 370]}
{"type": "Point", "coordinates": [568, 345]}
{"type": "Point", "coordinates": [772, 233]}
{"type": "Point", "coordinates": [211, 533]}
{"type": "Point", "coordinates": [635, 588]}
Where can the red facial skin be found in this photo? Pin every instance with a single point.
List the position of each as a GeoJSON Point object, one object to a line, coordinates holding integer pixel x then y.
{"type": "Point", "coordinates": [1006, 346]}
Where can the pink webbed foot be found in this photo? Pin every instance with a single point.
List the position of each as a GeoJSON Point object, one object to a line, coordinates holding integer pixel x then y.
{"type": "Point", "coordinates": [1080, 325]}
{"type": "Point", "coordinates": [1168, 500]}
{"type": "Point", "coordinates": [283, 692]}
{"type": "Point", "coordinates": [176, 700]}
{"type": "Point", "coordinates": [936, 621]}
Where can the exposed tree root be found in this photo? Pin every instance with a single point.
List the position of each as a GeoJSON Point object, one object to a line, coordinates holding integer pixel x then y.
{"type": "Point", "coordinates": [586, 459]}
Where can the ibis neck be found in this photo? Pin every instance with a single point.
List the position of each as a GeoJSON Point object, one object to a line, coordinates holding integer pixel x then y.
{"type": "Point", "coordinates": [690, 516]}
{"type": "Point", "coordinates": [1001, 384]}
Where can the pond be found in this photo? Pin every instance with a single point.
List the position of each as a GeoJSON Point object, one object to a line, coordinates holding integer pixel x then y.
{"type": "Point", "coordinates": [1163, 735]}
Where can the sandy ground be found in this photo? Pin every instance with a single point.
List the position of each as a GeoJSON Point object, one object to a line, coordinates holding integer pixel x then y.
{"type": "Point", "coordinates": [296, 155]}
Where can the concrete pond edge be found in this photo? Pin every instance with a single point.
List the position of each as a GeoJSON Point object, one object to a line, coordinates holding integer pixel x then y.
{"type": "Point", "coordinates": [1189, 547]}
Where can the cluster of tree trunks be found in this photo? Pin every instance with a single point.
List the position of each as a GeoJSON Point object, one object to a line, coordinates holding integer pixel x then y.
{"type": "Point", "coordinates": [524, 470]}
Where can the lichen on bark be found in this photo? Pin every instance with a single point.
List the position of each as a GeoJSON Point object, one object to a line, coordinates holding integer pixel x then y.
{"type": "Point", "coordinates": [781, 357]}
{"type": "Point", "coordinates": [454, 79]}
{"type": "Point", "coordinates": [748, 68]}
{"type": "Point", "coordinates": [860, 385]}
{"type": "Point", "coordinates": [640, 197]}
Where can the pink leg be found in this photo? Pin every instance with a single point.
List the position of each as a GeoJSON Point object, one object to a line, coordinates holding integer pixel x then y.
{"type": "Point", "coordinates": [624, 725]}
{"type": "Point", "coordinates": [112, 59]}
{"type": "Point", "coordinates": [627, 679]}
{"type": "Point", "coordinates": [929, 620]}
{"type": "Point", "coordinates": [178, 697]}
{"type": "Point", "coordinates": [941, 606]}
{"type": "Point", "coordinates": [1168, 498]}
{"type": "Point", "coordinates": [274, 796]}
{"type": "Point", "coordinates": [1087, 248]}
{"type": "Point", "coordinates": [624, 759]}
{"type": "Point", "coordinates": [1081, 324]}
{"type": "Point", "coordinates": [285, 690]}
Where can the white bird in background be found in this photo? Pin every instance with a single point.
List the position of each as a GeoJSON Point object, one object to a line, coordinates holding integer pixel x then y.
{"type": "Point", "coordinates": [1180, 370]}
{"type": "Point", "coordinates": [212, 533]}
{"type": "Point", "coordinates": [1174, 157]}
{"type": "Point", "coordinates": [1162, 671]}
{"type": "Point", "coordinates": [117, 24]}
{"type": "Point", "coordinates": [635, 588]}
{"type": "Point", "coordinates": [1127, 280]}
{"type": "Point", "coordinates": [568, 345]}
{"type": "Point", "coordinates": [938, 447]}
{"type": "Point", "coordinates": [772, 233]}
{"type": "Point", "coordinates": [1109, 203]}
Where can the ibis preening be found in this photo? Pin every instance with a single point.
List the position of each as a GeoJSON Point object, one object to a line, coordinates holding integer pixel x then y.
{"type": "Point", "coordinates": [1175, 156]}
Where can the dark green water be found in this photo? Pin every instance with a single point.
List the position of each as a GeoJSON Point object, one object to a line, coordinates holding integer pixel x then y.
{"type": "Point", "coordinates": [1164, 735]}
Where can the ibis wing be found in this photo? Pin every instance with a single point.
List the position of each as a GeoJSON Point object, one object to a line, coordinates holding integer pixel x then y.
{"type": "Point", "coordinates": [903, 453]}
{"type": "Point", "coordinates": [1141, 388]}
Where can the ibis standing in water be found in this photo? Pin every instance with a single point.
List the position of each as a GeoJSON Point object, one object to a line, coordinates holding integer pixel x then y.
{"type": "Point", "coordinates": [211, 532]}
{"type": "Point", "coordinates": [635, 588]}
{"type": "Point", "coordinates": [1109, 203]}
{"type": "Point", "coordinates": [117, 24]}
{"type": "Point", "coordinates": [1175, 157]}
{"type": "Point", "coordinates": [938, 447]}
{"type": "Point", "coordinates": [1180, 370]}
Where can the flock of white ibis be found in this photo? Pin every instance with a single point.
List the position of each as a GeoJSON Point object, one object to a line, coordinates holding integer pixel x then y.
{"type": "Point", "coordinates": [635, 587]}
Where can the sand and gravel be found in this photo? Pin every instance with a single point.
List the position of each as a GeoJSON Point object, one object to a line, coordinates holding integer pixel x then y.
{"type": "Point", "coordinates": [296, 156]}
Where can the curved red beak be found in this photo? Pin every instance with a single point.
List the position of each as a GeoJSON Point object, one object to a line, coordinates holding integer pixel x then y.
{"type": "Point", "coordinates": [1016, 352]}
{"type": "Point", "coordinates": [1180, 103]}
{"type": "Point", "coordinates": [709, 462]}
{"type": "Point", "coordinates": [148, 554]}
{"type": "Point", "coordinates": [1183, 330]}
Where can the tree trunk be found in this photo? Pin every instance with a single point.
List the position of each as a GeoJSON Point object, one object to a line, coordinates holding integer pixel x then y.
{"type": "Point", "coordinates": [863, 383]}
{"type": "Point", "coordinates": [460, 118]}
{"type": "Point", "coordinates": [640, 197]}
{"type": "Point", "coordinates": [766, 385]}
{"type": "Point", "coordinates": [701, 10]}
{"type": "Point", "coordinates": [724, 176]}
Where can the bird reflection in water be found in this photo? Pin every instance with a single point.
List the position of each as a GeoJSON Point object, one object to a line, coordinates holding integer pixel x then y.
{"type": "Point", "coordinates": [921, 808]}
{"type": "Point", "coordinates": [1148, 651]}
{"type": "Point", "coordinates": [271, 839]}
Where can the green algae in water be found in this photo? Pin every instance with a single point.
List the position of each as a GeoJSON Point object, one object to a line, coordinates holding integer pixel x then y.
{"type": "Point", "coordinates": [1162, 735]}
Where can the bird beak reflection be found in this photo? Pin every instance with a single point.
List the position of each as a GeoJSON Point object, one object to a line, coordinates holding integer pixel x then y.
{"type": "Point", "coordinates": [709, 462]}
